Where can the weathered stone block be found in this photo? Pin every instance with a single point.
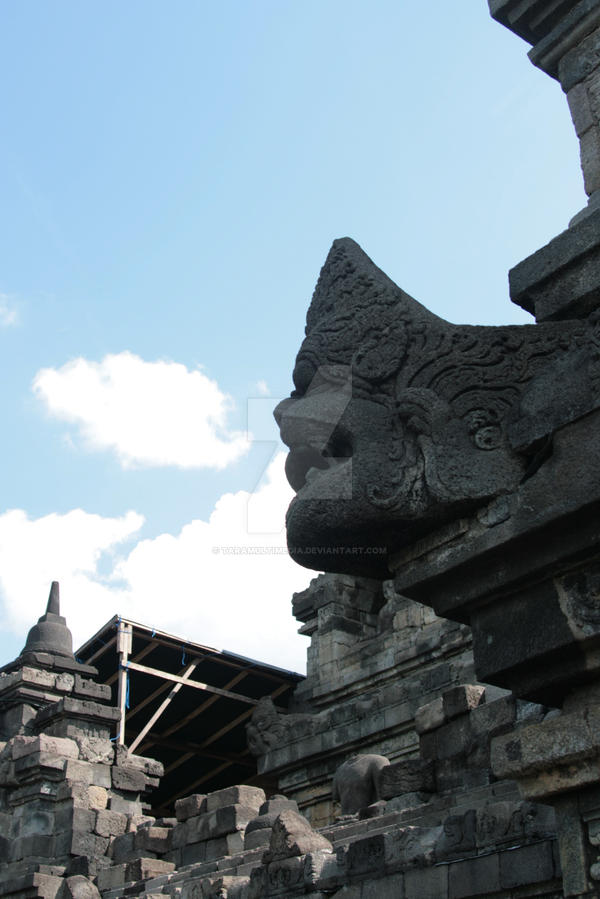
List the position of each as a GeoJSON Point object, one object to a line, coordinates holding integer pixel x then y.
{"type": "Point", "coordinates": [526, 864]}
{"type": "Point", "coordinates": [474, 877]}
{"type": "Point", "coordinates": [87, 867]}
{"type": "Point", "coordinates": [408, 776]}
{"type": "Point", "coordinates": [80, 772]}
{"type": "Point", "coordinates": [257, 838]}
{"type": "Point", "coordinates": [37, 676]}
{"type": "Point", "coordinates": [216, 823]}
{"type": "Point", "coordinates": [229, 844]}
{"type": "Point", "coordinates": [110, 824]}
{"type": "Point", "coordinates": [581, 112]}
{"type": "Point", "coordinates": [92, 749]}
{"type": "Point", "coordinates": [349, 892]}
{"type": "Point", "coordinates": [431, 716]}
{"type": "Point", "coordinates": [144, 868]}
{"type": "Point", "coordinates": [495, 717]}
{"type": "Point", "coordinates": [193, 854]}
{"type": "Point", "coordinates": [387, 888]}
{"type": "Point", "coordinates": [562, 740]}
{"type": "Point", "coordinates": [125, 759]}
{"type": "Point", "coordinates": [458, 836]}
{"type": "Point", "coordinates": [153, 839]}
{"type": "Point", "coordinates": [127, 806]}
{"type": "Point", "coordinates": [112, 878]}
{"type": "Point", "coordinates": [65, 682]}
{"type": "Point", "coordinates": [137, 820]}
{"type": "Point", "coordinates": [101, 774]}
{"type": "Point", "coordinates": [277, 804]}
{"type": "Point", "coordinates": [462, 699]}
{"type": "Point", "coordinates": [423, 883]}
{"type": "Point", "coordinates": [78, 887]}
{"type": "Point", "coordinates": [122, 847]}
{"type": "Point", "coordinates": [16, 719]}
{"type": "Point", "coordinates": [366, 856]}
{"type": "Point", "coordinates": [75, 818]}
{"type": "Point", "coordinates": [411, 846]}
{"type": "Point", "coordinates": [28, 765]}
{"type": "Point", "coordinates": [44, 886]}
{"type": "Point", "coordinates": [179, 835]}
{"type": "Point", "coordinates": [82, 710]}
{"type": "Point", "coordinates": [85, 686]}
{"type": "Point", "coordinates": [452, 778]}
{"type": "Point", "coordinates": [22, 746]}
{"type": "Point", "coordinates": [250, 797]}
{"type": "Point", "coordinates": [81, 842]}
{"type": "Point", "coordinates": [130, 780]}
{"type": "Point", "coordinates": [227, 887]}
{"type": "Point", "coordinates": [41, 845]}
{"type": "Point", "coordinates": [580, 62]}
{"type": "Point", "coordinates": [590, 159]}
{"type": "Point", "coordinates": [499, 823]}
{"type": "Point", "coordinates": [97, 797]}
{"type": "Point", "coordinates": [284, 875]}
{"type": "Point", "coordinates": [292, 835]}
{"type": "Point", "coordinates": [190, 806]}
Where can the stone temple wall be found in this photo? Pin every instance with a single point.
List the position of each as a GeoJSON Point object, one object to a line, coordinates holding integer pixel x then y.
{"type": "Point", "coordinates": [434, 820]}
{"type": "Point", "coordinates": [428, 756]}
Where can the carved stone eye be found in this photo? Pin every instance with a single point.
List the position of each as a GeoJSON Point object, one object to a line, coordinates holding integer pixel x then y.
{"type": "Point", "coordinates": [381, 353]}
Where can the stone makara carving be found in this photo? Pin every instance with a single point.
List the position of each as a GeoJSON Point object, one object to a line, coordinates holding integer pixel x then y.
{"type": "Point", "coordinates": [401, 421]}
{"type": "Point", "coordinates": [268, 729]}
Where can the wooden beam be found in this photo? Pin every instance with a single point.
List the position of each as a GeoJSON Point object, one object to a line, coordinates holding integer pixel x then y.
{"type": "Point", "coordinates": [102, 650]}
{"type": "Point", "coordinates": [195, 749]}
{"type": "Point", "coordinates": [180, 761]}
{"type": "Point", "coordinates": [155, 693]}
{"type": "Point", "coordinates": [191, 787]}
{"type": "Point", "coordinates": [164, 704]}
{"type": "Point", "coordinates": [203, 706]}
{"type": "Point", "coordinates": [197, 685]}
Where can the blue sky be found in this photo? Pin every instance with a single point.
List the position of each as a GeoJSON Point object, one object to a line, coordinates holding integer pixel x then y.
{"type": "Point", "coordinates": [172, 178]}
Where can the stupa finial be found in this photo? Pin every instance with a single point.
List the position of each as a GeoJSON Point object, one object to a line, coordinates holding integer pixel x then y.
{"type": "Point", "coordinates": [51, 634]}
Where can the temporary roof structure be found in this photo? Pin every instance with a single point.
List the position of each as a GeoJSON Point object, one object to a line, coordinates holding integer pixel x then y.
{"type": "Point", "coordinates": [184, 704]}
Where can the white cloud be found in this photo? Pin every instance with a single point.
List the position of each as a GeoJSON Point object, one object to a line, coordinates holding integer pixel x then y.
{"type": "Point", "coordinates": [149, 413]}
{"type": "Point", "coordinates": [67, 548]}
{"type": "Point", "coordinates": [263, 388]}
{"type": "Point", "coordinates": [213, 583]}
{"type": "Point", "coordinates": [8, 311]}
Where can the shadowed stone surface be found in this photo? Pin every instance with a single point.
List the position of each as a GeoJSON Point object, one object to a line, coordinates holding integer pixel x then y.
{"type": "Point", "coordinates": [293, 836]}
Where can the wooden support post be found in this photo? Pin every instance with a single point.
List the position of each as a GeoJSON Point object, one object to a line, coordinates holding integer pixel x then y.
{"type": "Point", "coordinates": [124, 641]}
{"type": "Point", "coordinates": [154, 718]}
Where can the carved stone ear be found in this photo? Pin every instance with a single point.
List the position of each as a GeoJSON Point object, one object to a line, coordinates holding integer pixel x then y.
{"type": "Point", "coordinates": [381, 352]}
{"type": "Point", "coordinates": [484, 428]}
{"type": "Point", "coordinates": [421, 409]}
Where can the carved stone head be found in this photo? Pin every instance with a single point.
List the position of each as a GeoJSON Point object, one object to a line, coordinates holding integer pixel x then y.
{"type": "Point", "coordinates": [401, 421]}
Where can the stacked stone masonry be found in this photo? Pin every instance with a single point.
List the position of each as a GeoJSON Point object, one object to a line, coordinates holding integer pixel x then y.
{"type": "Point", "coordinates": [72, 803]}
{"type": "Point", "coordinates": [401, 775]}
{"type": "Point", "coordinates": [374, 659]}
